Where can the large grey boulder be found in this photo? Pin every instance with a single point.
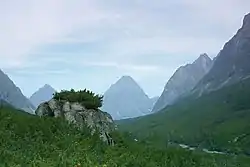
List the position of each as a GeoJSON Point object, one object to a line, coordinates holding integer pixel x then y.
{"type": "Point", "coordinates": [77, 114]}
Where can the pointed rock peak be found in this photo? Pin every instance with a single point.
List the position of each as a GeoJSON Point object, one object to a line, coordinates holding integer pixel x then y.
{"type": "Point", "coordinates": [127, 79]}
{"type": "Point", "coordinates": [246, 20]}
{"type": "Point", "coordinates": [203, 58]}
{"type": "Point", "coordinates": [126, 82]}
{"type": "Point", "coordinates": [47, 86]}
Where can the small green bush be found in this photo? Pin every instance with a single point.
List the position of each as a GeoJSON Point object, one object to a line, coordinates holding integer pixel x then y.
{"type": "Point", "coordinates": [87, 98]}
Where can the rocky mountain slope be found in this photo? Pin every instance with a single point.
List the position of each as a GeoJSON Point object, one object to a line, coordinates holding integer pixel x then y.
{"type": "Point", "coordinates": [126, 99]}
{"type": "Point", "coordinates": [183, 81]}
{"type": "Point", "coordinates": [42, 95]}
{"type": "Point", "coordinates": [219, 118]}
{"type": "Point", "coordinates": [10, 93]}
{"type": "Point", "coordinates": [154, 100]}
{"type": "Point", "coordinates": [232, 63]}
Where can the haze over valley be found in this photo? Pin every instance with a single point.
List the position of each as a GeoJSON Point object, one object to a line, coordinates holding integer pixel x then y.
{"type": "Point", "coordinates": [125, 83]}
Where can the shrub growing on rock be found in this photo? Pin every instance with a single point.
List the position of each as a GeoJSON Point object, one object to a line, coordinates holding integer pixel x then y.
{"type": "Point", "coordinates": [87, 98]}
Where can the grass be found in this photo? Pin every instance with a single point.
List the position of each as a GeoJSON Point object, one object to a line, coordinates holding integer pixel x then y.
{"type": "Point", "coordinates": [27, 140]}
{"type": "Point", "coordinates": [217, 121]}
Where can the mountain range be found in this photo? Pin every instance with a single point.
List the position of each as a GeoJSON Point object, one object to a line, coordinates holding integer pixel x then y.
{"type": "Point", "coordinates": [10, 93]}
{"type": "Point", "coordinates": [232, 63]}
{"type": "Point", "coordinates": [45, 93]}
{"type": "Point", "coordinates": [126, 99]}
{"type": "Point", "coordinates": [216, 113]}
{"type": "Point", "coordinates": [183, 81]}
{"type": "Point", "coordinates": [205, 106]}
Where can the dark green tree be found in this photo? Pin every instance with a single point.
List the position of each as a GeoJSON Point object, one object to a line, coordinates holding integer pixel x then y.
{"type": "Point", "coordinates": [86, 97]}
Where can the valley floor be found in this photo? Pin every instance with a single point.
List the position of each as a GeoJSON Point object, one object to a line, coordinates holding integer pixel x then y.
{"type": "Point", "coordinates": [217, 122]}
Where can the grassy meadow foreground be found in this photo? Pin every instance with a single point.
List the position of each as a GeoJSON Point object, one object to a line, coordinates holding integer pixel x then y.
{"type": "Point", "coordinates": [27, 140]}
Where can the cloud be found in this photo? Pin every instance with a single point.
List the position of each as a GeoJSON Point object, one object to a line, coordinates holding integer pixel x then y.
{"type": "Point", "coordinates": [143, 38]}
{"type": "Point", "coordinates": [41, 72]}
{"type": "Point", "coordinates": [125, 67]}
{"type": "Point", "coordinates": [28, 24]}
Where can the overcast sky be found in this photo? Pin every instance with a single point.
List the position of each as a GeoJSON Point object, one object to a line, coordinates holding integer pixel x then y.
{"type": "Point", "coordinates": [92, 43]}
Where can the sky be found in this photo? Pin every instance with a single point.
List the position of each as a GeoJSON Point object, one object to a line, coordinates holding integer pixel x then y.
{"type": "Point", "coordinates": [92, 43]}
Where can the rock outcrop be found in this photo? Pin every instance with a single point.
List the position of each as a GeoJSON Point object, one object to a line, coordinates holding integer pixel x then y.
{"type": "Point", "coordinates": [96, 120]}
{"type": "Point", "coordinates": [183, 81]}
{"type": "Point", "coordinates": [232, 63]}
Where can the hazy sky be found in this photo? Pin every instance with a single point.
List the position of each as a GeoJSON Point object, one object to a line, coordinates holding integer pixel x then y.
{"type": "Point", "coordinates": [92, 43]}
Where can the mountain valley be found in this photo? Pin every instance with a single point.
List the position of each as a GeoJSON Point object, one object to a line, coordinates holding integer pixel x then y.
{"type": "Point", "coordinates": [201, 119]}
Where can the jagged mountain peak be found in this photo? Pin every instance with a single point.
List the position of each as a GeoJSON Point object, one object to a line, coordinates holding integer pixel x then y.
{"type": "Point", "coordinates": [47, 86]}
{"type": "Point", "coordinates": [204, 57]}
{"type": "Point", "coordinates": [183, 81]}
{"type": "Point", "coordinates": [12, 94]}
{"type": "Point", "coordinates": [204, 60]}
{"type": "Point", "coordinates": [126, 82]}
{"type": "Point", "coordinates": [126, 79]}
{"type": "Point", "coordinates": [126, 85]}
{"type": "Point", "coordinates": [43, 94]}
{"type": "Point", "coordinates": [232, 63]}
{"type": "Point", "coordinates": [126, 99]}
{"type": "Point", "coordinates": [246, 20]}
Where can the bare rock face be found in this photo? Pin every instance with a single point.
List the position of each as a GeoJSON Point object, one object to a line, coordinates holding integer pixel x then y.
{"type": "Point", "coordinates": [13, 95]}
{"type": "Point", "coordinates": [232, 63]}
{"type": "Point", "coordinates": [77, 114]}
{"type": "Point", "coordinates": [126, 99]}
{"type": "Point", "coordinates": [183, 81]}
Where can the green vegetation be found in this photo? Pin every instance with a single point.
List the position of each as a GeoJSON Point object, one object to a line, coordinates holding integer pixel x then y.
{"type": "Point", "coordinates": [27, 140]}
{"type": "Point", "coordinates": [217, 121]}
{"type": "Point", "coordinates": [89, 99]}
{"type": "Point", "coordinates": [4, 103]}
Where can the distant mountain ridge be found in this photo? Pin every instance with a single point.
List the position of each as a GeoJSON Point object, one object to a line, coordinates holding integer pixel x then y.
{"type": "Point", "coordinates": [126, 99]}
{"type": "Point", "coordinates": [183, 81]}
{"type": "Point", "coordinates": [44, 94]}
{"type": "Point", "coordinates": [218, 118]}
{"type": "Point", "coordinates": [11, 94]}
{"type": "Point", "coordinates": [232, 63]}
